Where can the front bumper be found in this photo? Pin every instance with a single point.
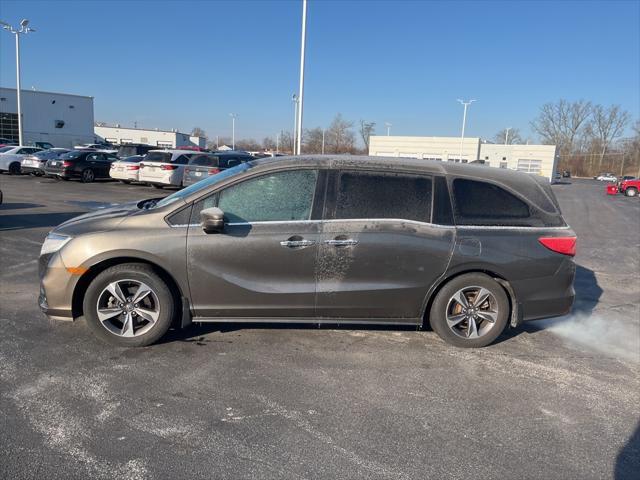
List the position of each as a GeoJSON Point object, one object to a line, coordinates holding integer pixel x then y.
{"type": "Point", "coordinates": [56, 287]}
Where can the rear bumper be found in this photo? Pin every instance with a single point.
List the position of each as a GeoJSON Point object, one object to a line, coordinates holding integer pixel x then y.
{"type": "Point", "coordinates": [28, 169]}
{"type": "Point", "coordinates": [58, 173]}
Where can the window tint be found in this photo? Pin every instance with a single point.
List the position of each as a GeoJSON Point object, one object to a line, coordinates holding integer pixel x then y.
{"type": "Point", "coordinates": [279, 196]}
{"type": "Point", "coordinates": [204, 160]}
{"type": "Point", "coordinates": [442, 211]}
{"type": "Point", "coordinates": [158, 157]}
{"type": "Point", "coordinates": [481, 203]}
{"type": "Point", "coordinates": [182, 160]}
{"type": "Point", "coordinates": [376, 195]}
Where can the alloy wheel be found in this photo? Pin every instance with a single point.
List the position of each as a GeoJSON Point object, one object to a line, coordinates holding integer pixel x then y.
{"type": "Point", "coordinates": [128, 308]}
{"type": "Point", "coordinates": [472, 312]}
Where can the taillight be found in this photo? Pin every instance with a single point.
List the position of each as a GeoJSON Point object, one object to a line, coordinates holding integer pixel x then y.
{"type": "Point", "coordinates": [67, 164]}
{"type": "Point", "coordinates": [168, 167]}
{"type": "Point", "coordinates": [213, 171]}
{"type": "Point", "coordinates": [133, 167]}
{"type": "Point", "coordinates": [563, 245]}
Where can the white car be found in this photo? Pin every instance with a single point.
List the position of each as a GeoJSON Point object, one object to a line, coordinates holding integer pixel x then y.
{"type": "Point", "coordinates": [11, 158]}
{"type": "Point", "coordinates": [98, 147]}
{"type": "Point", "coordinates": [164, 167]}
{"type": "Point", "coordinates": [607, 177]}
{"type": "Point", "coordinates": [126, 169]}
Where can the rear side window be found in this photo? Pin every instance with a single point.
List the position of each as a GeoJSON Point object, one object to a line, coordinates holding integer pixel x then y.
{"type": "Point", "coordinates": [164, 157]}
{"type": "Point", "coordinates": [481, 203]}
{"type": "Point", "coordinates": [182, 159]}
{"type": "Point", "coordinates": [388, 195]}
{"type": "Point", "coordinates": [204, 160]}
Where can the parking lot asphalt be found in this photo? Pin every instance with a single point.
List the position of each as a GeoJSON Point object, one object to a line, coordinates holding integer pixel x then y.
{"type": "Point", "coordinates": [552, 399]}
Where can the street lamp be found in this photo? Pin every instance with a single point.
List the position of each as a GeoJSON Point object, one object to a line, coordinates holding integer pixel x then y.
{"type": "Point", "coordinates": [464, 122]}
{"type": "Point", "coordinates": [388, 125]}
{"type": "Point", "coordinates": [24, 29]}
{"type": "Point", "coordinates": [303, 42]}
{"type": "Point", "coordinates": [296, 101]}
{"type": "Point", "coordinates": [233, 130]}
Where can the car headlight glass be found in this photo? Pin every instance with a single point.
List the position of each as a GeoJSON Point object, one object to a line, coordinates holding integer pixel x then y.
{"type": "Point", "coordinates": [53, 243]}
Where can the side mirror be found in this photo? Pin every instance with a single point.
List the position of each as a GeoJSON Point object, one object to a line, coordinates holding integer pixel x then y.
{"type": "Point", "coordinates": [212, 220]}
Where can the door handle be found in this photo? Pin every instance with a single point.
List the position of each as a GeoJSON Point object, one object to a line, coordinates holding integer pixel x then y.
{"type": "Point", "coordinates": [341, 242]}
{"type": "Point", "coordinates": [297, 243]}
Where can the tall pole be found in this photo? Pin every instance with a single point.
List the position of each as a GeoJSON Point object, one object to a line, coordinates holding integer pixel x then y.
{"type": "Point", "coordinates": [20, 134]}
{"type": "Point", "coordinates": [301, 92]}
{"type": "Point", "coordinates": [388, 125]}
{"type": "Point", "coordinates": [233, 130]}
{"type": "Point", "coordinates": [506, 136]}
{"type": "Point", "coordinates": [464, 122]}
{"type": "Point", "coordinates": [278, 142]}
{"type": "Point", "coordinates": [294, 99]}
{"type": "Point", "coordinates": [323, 141]}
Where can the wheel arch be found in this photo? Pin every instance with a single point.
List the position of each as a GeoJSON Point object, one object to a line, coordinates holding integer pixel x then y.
{"type": "Point", "coordinates": [85, 280]}
{"type": "Point", "coordinates": [515, 315]}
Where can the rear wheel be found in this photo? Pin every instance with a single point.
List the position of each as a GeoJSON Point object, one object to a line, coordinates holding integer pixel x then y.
{"type": "Point", "coordinates": [470, 311]}
{"type": "Point", "coordinates": [126, 182]}
{"type": "Point", "coordinates": [87, 176]}
{"type": "Point", "coordinates": [155, 185]}
{"type": "Point", "coordinates": [129, 305]}
{"type": "Point", "coordinates": [14, 169]}
{"type": "Point", "coordinates": [631, 192]}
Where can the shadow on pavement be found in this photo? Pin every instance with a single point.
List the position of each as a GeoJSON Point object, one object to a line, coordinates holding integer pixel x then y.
{"type": "Point", "coordinates": [628, 460]}
{"type": "Point", "coordinates": [17, 205]}
{"type": "Point", "coordinates": [35, 220]}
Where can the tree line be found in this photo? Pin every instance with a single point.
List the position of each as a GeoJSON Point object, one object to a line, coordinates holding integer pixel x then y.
{"type": "Point", "coordinates": [589, 137]}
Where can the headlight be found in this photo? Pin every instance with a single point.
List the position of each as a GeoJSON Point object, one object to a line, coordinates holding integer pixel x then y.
{"type": "Point", "coordinates": [53, 243]}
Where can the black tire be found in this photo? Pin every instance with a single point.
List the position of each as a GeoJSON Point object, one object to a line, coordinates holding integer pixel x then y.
{"type": "Point", "coordinates": [15, 169]}
{"type": "Point", "coordinates": [136, 272]}
{"type": "Point", "coordinates": [155, 185]}
{"type": "Point", "coordinates": [442, 302]}
{"type": "Point", "coordinates": [87, 176]}
{"type": "Point", "coordinates": [126, 182]}
{"type": "Point", "coordinates": [631, 192]}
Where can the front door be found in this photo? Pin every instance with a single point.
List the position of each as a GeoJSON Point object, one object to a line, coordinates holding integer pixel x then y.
{"type": "Point", "coordinates": [263, 263]}
{"type": "Point", "coordinates": [380, 253]}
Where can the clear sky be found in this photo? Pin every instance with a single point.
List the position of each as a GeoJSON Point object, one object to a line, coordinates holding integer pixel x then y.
{"type": "Point", "coordinates": [182, 64]}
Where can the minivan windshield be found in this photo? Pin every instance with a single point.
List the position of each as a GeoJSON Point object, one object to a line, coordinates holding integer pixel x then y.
{"type": "Point", "coordinates": [203, 184]}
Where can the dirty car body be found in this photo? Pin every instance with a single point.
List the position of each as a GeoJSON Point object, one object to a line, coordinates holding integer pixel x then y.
{"type": "Point", "coordinates": [322, 239]}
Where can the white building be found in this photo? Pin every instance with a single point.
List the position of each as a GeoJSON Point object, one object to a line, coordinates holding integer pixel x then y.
{"type": "Point", "coordinates": [61, 119]}
{"type": "Point", "coordinates": [118, 135]}
{"type": "Point", "coordinates": [537, 159]}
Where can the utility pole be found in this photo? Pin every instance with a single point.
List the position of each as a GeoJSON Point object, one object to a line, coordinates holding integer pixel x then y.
{"type": "Point", "coordinates": [23, 30]}
{"type": "Point", "coordinates": [506, 136]}
{"type": "Point", "coordinates": [233, 130]}
{"type": "Point", "coordinates": [278, 142]}
{"type": "Point", "coordinates": [301, 93]}
{"type": "Point", "coordinates": [388, 125]}
{"type": "Point", "coordinates": [295, 100]}
{"type": "Point", "coordinates": [464, 122]}
{"type": "Point", "coordinates": [323, 141]}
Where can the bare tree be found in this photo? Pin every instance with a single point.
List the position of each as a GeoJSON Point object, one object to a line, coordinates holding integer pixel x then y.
{"type": "Point", "coordinates": [198, 132]}
{"type": "Point", "coordinates": [607, 124]}
{"type": "Point", "coordinates": [562, 123]}
{"type": "Point", "coordinates": [248, 144]}
{"type": "Point", "coordinates": [366, 130]}
{"type": "Point", "coordinates": [286, 142]}
{"type": "Point", "coordinates": [312, 140]}
{"type": "Point", "coordinates": [268, 143]}
{"type": "Point", "coordinates": [514, 137]}
{"type": "Point", "coordinates": [339, 138]}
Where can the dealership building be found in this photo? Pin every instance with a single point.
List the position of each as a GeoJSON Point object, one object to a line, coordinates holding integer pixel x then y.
{"type": "Point", "coordinates": [536, 159]}
{"type": "Point", "coordinates": [61, 119]}
{"type": "Point", "coordinates": [118, 135]}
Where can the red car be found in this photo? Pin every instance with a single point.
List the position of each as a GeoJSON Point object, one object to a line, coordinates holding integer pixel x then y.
{"type": "Point", "coordinates": [630, 187]}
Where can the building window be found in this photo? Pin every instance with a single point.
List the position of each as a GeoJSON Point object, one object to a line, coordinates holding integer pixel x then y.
{"type": "Point", "coordinates": [111, 140]}
{"type": "Point", "coordinates": [503, 164]}
{"type": "Point", "coordinates": [530, 165]}
{"type": "Point", "coordinates": [9, 126]}
{"type": "Point", "coordinates": [165, 144]}
{"type": "Point", "coordinates": [124, 141]}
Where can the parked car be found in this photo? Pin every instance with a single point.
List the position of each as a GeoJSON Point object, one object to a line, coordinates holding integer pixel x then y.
{"type": "Point", "coordinates": [606, 177]}
{"type": "Point", "coordinates": [126, 169]}
{"type": "Point", "coordinates": [467, 249]}
{"type": "Point", "coordinates": [5, 142]}
{"type": "Point", "coordinates": [132, 149]}
{"type": "Point", "coordinates": [11, 158]}
{"type": "Point", "coordinates": [97, 147]}
{"type": "Point", "coordinates": [566, 174]}
{"type": "Point", "coordinates": [87, 165]}
{"type": "Point", "coordinates": [193, 148]}
{"type": "Point", "coordinates": [162, 168]}
{"type": "Point", "coordinates": [629, 187]}
{"type": "Point", "coordinates": [626, 177]}
{"type": "Point", "coordinates": [34, 164]}
{"type": "Point", "coordinates": [202, 166]}
{"type": "Point", "coordinates": [43, 145]}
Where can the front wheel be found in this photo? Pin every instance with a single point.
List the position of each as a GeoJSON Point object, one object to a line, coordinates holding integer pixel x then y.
{"type": "Point", "coordinates": [470, 311]}
{"type": "Point", "coordinates": [129, 305]}
{"type": "Point", "coordinates": [631, 192]}
{"type": "Point", "coordinates": [87, 176]}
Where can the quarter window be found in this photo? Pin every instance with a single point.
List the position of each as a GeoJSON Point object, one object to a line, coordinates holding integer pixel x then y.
{"type": "Point", "coordinates": [481, 203]}
{"type": "Point", "coordinates": [390, 195]}
{"type": "Point", "coordinates": [282, 196]}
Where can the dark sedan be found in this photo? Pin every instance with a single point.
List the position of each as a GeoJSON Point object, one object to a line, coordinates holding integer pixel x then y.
{"type": "Point", "coordinates": [34, 164]}
{"type": "Point", "coordinates": [203, 166]}
{"type": "Point", "coordinates": [86, 165]}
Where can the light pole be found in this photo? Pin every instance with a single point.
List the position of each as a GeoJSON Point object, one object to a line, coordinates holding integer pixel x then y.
{"type": "Point", "coordinates": [301, 93]}
{"type": "Point", "coordinates": [506, 135]}
{"type": "Point", "coordinates": [323, 141]}
{"type": "Point", "coordinates": [278, 142]}
{"type": "Point", "coordinates": [388, 125]}
{"type": "Point", "coordinates": [24, 29]}
{"type": "Point", "coordinates": [295, 100]}
{"type": "Point", "coordinates": [464, 122]}
{"type": "Point", "coordinates": [233, 130]}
